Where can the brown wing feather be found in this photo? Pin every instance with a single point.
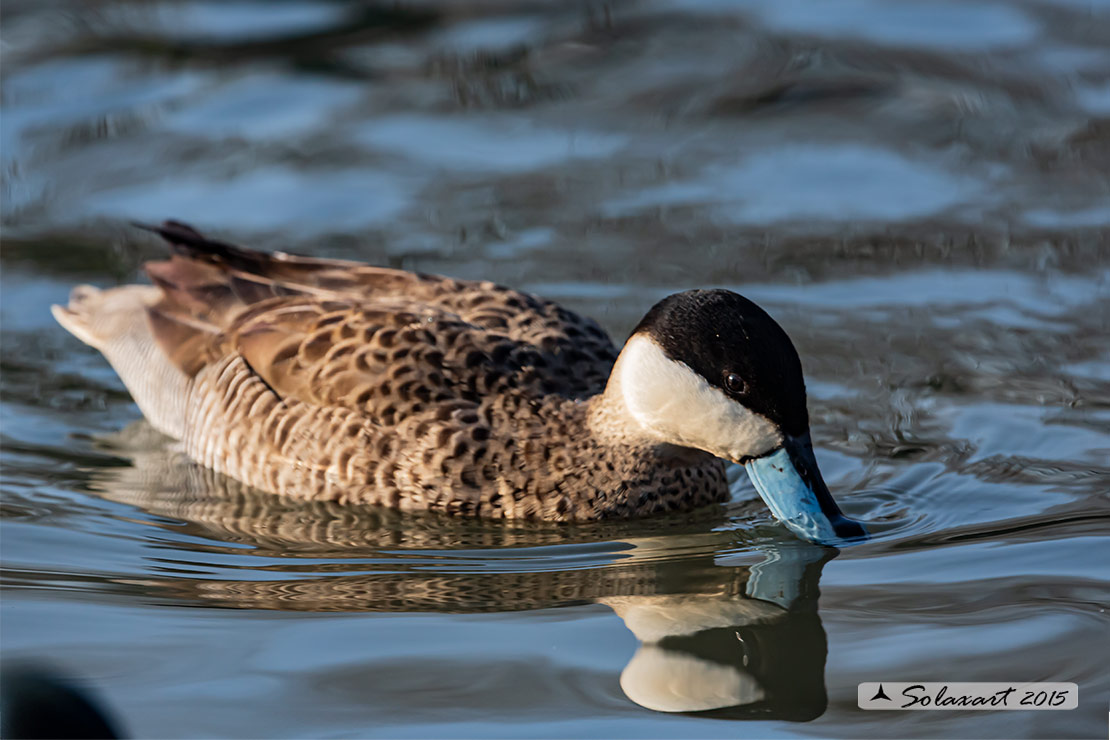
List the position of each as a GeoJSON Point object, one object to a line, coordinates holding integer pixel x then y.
{"type": "Point", "coordinates": [519, 315]}
{"type": "Point", "coordinates": [185, 342]}
{"type": "Point", "coordinates": [390, 362]}
{"type": "Point", "coordinates": [343, 333]}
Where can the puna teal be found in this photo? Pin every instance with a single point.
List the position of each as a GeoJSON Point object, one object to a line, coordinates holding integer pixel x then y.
{"type": "Point", "coordinates": [335, 380]}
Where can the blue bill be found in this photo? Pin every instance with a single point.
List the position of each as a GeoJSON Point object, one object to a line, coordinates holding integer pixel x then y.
{"type": "Point", "coordinates": [789, 482]}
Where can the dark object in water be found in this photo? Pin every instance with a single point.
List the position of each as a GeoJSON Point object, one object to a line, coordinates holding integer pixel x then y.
{"type": "Point", "coordinates": [38, 703]}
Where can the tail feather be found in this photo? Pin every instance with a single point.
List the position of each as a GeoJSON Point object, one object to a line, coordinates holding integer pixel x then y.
{"type": "Point", "coordinates": [284, 273]}
{"type": "Point", "coordinates": [187, 242]}
{"type": "Point", "coordinates": [115, 322]}
{"type": "Point", "coordinates": [199, 289]}
{"type": "Point", "coordinates": [158, 337]}
{"type": "Point", "coordinates": [76, 318]}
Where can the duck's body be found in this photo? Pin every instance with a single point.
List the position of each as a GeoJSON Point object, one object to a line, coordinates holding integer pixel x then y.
{"type": "Point", "coordinates": [333, 380]}
{"type": "Point", "coordinates": [514, 454]}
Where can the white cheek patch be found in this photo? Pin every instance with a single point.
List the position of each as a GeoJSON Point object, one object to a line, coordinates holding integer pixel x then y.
{"type": "Point", "coordinates": [679, 406]}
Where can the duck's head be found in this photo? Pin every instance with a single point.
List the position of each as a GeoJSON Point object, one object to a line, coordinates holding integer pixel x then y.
{"type": "Point", "coordinates": [711, 370]}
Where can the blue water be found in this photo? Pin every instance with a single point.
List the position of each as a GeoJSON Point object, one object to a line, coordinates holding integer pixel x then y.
{"type": "Point", "coordinates": [917, 191]}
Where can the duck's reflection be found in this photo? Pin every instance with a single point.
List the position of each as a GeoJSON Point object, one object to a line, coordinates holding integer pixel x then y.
{"type": "Point", "coordinates": [758, 655]}
{"type": "Point", "coordinates": [738, 640]}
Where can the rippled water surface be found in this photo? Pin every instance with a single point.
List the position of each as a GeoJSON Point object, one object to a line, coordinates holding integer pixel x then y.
{"type": "Point", "coordinates": [917, 191]}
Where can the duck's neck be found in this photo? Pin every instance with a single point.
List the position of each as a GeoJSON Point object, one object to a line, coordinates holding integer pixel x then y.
{"type": "Point", "coordinates": [611, 423]}
{"type": "Point", "coordinates": [610, 419]}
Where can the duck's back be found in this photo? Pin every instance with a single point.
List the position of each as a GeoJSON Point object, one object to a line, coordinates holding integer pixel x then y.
{"type": "Point", "coordinates": [340, 381]}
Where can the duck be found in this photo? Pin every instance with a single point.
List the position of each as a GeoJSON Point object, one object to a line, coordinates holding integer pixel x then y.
{"type": "Point", "coordinates": [334, 380]}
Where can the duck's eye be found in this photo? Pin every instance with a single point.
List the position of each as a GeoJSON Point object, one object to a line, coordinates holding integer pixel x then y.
{"type": "Point", "coordinates": [735, 384]}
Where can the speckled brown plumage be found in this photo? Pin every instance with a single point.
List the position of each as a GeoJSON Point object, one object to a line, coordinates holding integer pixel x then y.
{"type": "Point", "coordinates": [192, 500]}
{"type": "Point", "coordinates": [337, 381]}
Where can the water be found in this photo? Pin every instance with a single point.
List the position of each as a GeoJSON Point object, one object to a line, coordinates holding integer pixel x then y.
{"type": "Point", "coordinates": [917, 191]}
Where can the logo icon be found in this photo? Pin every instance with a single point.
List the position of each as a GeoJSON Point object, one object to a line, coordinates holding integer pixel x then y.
{"type": "Point", "coordinates": [880, 694]}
